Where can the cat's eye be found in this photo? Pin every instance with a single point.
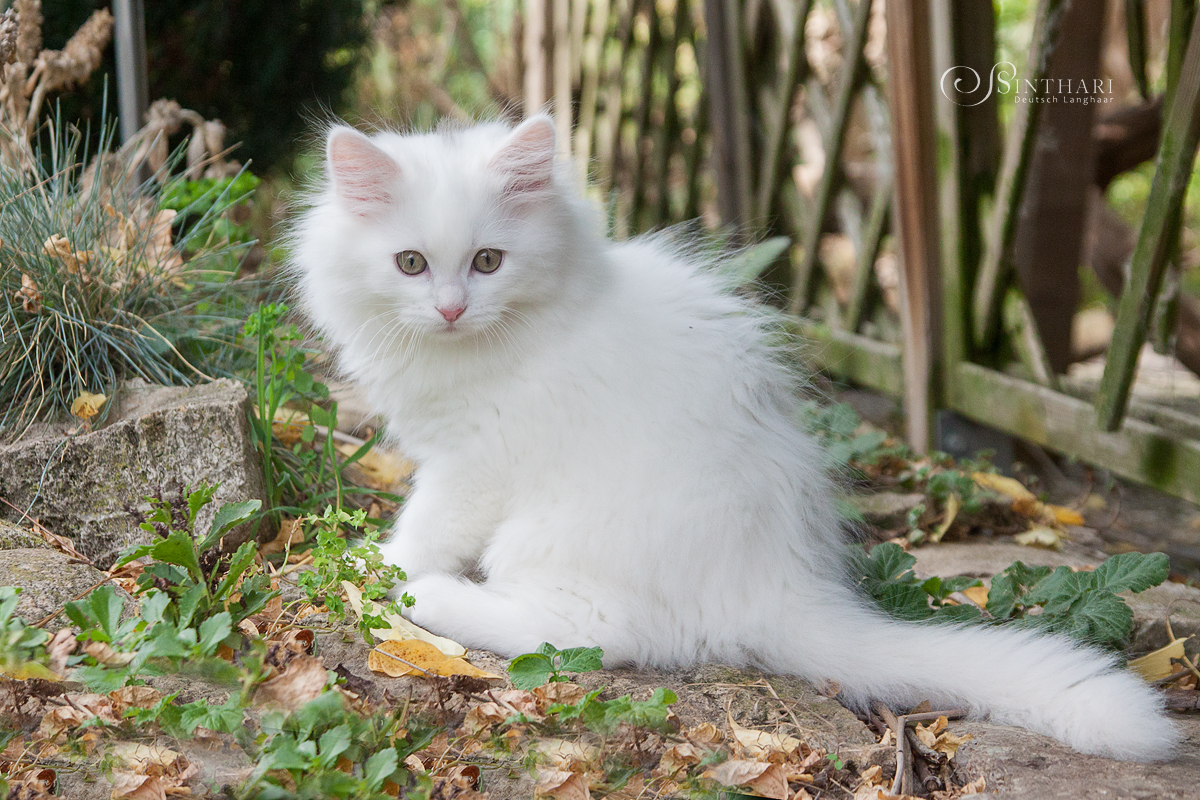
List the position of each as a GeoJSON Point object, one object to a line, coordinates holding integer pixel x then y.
{"type": "Point", "coordinates": [411, 262]}
{"type": "Point", "coordinates": [487, 260]}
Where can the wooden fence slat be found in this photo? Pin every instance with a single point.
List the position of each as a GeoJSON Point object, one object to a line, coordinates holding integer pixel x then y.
{"type": "Point", "coordinates": [1142, 452]}
{"type": "Point", "coordinates": [641, 120]}
{"type": "Point", "coordinates": [853, 62]}
{"type": "Point", "coordinates": [864, 276]}
{"type": "Point", "coordinates": [777, 125]}
{"type": "Point", "coordinates": [914, 138]}
{"type": "Point", "coordinates": [589, 100]}
{"type": "Point", "coordinates": [996, 267]}
{"type": "Point", "coordinates": [1155, 242]}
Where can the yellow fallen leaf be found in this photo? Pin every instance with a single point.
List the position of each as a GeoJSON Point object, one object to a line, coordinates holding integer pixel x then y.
{"type": "Point", "coordinates": [400, 629]}
{"type": "Point", "coordinates": [29, 669]}
{"type": "Point", "coordinates": [1156, 665]}
{"type": "Point", "coordinates": [378, 468]}
{"type": "Point", "coordinates": [1063, 515]}
{"type": "Point", "coordinates": [409, 657]}
{"type": "Point", "coordinates": [978, 595]}
{"type": "Point", "coordinates": [947, 520]}
{"type": "Point", "coordinates": [87, 405]}
{"type": "Point", "coordinates": [1004, 485]}
{"type": "Point", "coordinates": [948, 743]}
{"type": "Point", "coordinates": [416, 657]}
{"type": "Point", "coordinates": [1041, 536]}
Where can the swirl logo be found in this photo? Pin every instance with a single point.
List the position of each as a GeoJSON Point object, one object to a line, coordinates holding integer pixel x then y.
{"type": "Point", "coordinates": [962, 90]}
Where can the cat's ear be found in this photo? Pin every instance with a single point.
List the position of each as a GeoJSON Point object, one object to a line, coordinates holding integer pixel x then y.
{"type": "Point", "coordinates": [526, 159]}
{"type": "Point", "coordinates": [364, 177]}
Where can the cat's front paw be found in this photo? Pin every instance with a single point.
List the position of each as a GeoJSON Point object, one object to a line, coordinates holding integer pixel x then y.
{"type": "Point", "coordinates": [438, 602]}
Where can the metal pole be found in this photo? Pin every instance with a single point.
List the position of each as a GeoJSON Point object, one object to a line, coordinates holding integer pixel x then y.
{"type": "Point", "coordinates": [130, 36]}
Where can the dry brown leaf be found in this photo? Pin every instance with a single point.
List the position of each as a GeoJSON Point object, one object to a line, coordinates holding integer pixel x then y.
{"type": "Point", "coordinates": [87, 405]}
{"type": "Point", "coordinates": [29, 294]}
{"type": "Point", "coordinates": [291, 533]}
{"type": "Point", "coordinates": [705, 733]}
{"type": "Point", "coordinates": [133, 697]}
{"type": "Point", "coordinates": [765, 779]}
{"type": "Point", "coordinates": [977, 786]}
{"type": "Point", "coordinates": [677, 758]}
{"type": "Point", "coordinates": [132, 786]}
{"type": "Point", "coordinates": [34, 783]}
{"type": "Point", "coordinates": [483, 716]}
{"type": "Point", "coordinates": [758, 744]}
{"type": "Point", "coordinates": [561, 785]}
{"type": "Point", "coordinates": [102, 652]}
{"type": "Point", "coordinates": [565, 755]}
{"type": "Point", "coordinates": [301, 681]}
{"type": "Point", "coordinates": [159, 253]}
{"type": "Point", "coordinates": [558, 692]}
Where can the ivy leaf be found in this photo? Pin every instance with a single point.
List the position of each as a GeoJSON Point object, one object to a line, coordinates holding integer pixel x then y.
{"type": "Point", "coordinates": [228, 516]}
{"type": "Point", "coordinates": [178, 549]}
{"type": "Point", "coordinates": [1132, 572]}
{"type": "Point", "coordinates": [332, 744]}
{"type": "Point", "coordinates": [904, 600]}
{"type": "Point", "coordinates": [213, 631]}
{"type": "Point", "coordinates": [581, 659]}
{"type": "Point", "coordinates": [530, 670]}
{"type": "Point", "coordinates": [197, 500]}
{"type": "Point", "coordinates": [380, 767]}
{"type": "Point", "coordinates": [1098, 616]}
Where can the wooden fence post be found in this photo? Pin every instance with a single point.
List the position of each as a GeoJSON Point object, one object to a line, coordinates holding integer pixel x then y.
{"type": "Point", "coordinates": [909, 49]}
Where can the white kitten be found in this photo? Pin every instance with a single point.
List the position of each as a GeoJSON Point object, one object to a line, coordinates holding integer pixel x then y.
{"type": "Point", "coordinates": [604, 433]}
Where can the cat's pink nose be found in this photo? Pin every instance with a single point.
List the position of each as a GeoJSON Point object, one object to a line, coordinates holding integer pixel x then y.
{"type": "Point", "coordinates": [451, 313]}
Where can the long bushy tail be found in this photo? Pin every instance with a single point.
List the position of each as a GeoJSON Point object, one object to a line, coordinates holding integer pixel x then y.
{"type": "Point", "coordinates": [1078, 695]}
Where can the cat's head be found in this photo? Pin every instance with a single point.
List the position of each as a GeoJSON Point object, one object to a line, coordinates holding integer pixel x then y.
{"type": "Point", "coordinates": [441, 236]}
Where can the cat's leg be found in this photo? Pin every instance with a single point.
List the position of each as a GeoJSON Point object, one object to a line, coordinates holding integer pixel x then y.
{"type": "Point", "coordinates": [442, 528]}
{"type": "Point", "coordinates": [512, 618]}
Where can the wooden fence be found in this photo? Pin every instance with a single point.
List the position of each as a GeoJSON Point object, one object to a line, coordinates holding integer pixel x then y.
{"type": "Point", "coordinates": [683, 109]}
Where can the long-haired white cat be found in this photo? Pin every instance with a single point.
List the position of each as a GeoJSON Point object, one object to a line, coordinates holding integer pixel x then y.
{"type": "Point", "coordinates": [605, 435]}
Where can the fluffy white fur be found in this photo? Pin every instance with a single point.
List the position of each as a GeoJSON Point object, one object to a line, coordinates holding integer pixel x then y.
{"type": "Point", "coordinates": [606, 437]}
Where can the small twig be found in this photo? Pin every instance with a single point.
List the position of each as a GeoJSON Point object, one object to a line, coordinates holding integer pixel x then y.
{"type": "Point", "coordinates": [304, 562]}
{"type": "Point", "coordinates": [902, 753]}
{"type": "Point", "coordinates": [929, 716]}
{"type": "Point", "coordinates": [923, 750]}
{"type": "Point", "coordinates": [930, 781]}
{"type": "Point", "coordinates": [786, 707]}
{"type": "Point", "coordinates": [1187, 662]}
{"type": "Point", "coordinates": [403, 661]}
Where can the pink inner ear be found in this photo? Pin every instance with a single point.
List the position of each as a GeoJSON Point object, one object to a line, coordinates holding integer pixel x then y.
{"type": "Point", "coordinates": [527, 158]}
{"type": "Point", "coordinates": [364, 176]}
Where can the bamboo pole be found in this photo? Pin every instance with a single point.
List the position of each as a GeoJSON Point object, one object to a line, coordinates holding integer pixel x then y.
{"type": "Point", "coordinates": [1176, 155]}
